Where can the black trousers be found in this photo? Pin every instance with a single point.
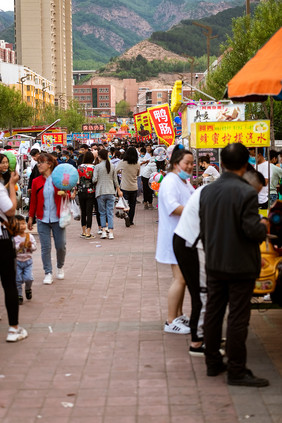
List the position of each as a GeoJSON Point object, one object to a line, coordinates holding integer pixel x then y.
{"type": "Point", "coordinates": [86, 202]}
{"type": "Point", "coordinates": [131, 197]}
{"type": "Point", "coordinates": [147, 192]}
{"type": "Point", "coordinates": [97, 212]}
{"type": "Point", "coordinates": [188, 262]}
{"type": "Point", "coordinates": [8, 280]}
{"type": "Point", "coordinates": [237, 293]}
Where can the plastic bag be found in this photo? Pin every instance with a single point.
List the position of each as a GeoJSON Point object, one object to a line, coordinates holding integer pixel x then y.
{"type": "Point", "coordinates": [65, 213]}
{"type": "Point", "coordinates": [122, 204]}
{"type": "Point", "coordinates": [75, 210]}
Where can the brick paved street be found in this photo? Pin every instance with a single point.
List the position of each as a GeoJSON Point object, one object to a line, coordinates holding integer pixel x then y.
{"type": "Point", "coordinates": [96, 351]}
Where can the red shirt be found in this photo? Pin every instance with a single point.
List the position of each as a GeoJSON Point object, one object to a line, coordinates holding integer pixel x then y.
{"type": "Point", "coordinates": [37, 198]}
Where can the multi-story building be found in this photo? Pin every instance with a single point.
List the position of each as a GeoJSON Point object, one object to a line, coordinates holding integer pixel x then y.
{"type": "Point", "coordinates": [43, 41]}
{"type": "Point", "coordinates": [7, 53]}
{"type": "Point", "coordinates": [96, 99]}
{"type": "Point", "coordinates": [36, 90]}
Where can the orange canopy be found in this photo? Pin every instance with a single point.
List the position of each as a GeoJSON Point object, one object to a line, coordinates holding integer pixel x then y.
{"type": "Point", "coordinates": [262, 75]}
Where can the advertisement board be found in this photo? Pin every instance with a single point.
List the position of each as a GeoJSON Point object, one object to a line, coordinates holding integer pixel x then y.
{"type": "Point", "coordinates": [255, 133]}
{"type": "Point", "coordinates": [211, 112]}
{"type": "Point", "coordinates": [54, 138]}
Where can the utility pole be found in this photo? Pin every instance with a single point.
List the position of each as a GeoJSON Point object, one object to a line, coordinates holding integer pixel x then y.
{"type": "Point", "coordinates": [248, 7]}
{"type": "Point", "coordinates": [209, 37]}
{"type": "Point", "coordinates": [192, 59]}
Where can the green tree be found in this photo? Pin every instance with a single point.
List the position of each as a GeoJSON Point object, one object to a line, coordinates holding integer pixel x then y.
{"type": "Point", "coordinates": [72, 118]}
{"type": "Point", "coordinates": [249, 34]}
{"type": "Point", "coordinates": [122, 109]}
{"type": "Point", "coordinates": [13, 112]}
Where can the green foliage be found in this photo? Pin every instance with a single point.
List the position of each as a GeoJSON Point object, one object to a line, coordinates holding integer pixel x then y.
{"type": "Point", "coordinates": [187, 38]}
{"type": "Point", "coordinates": [249, 35]}
{"type": "Point", "coordinates": [13, 112]}
{"type": "Point", "coordinates": [122, 109]}
{"type": "Point", "coordinates": [72, 118]}
{"type": "Point", "coordinates": [143, 69]}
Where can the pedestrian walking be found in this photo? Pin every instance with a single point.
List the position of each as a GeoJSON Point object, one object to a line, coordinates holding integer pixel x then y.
{"type": "Point", "coordinates": [231, 231]}
{"type": "Point", "coordinates": [174, 193]}
{"type": "Point", "coordinates": [25, 244]}
{"type": "Point", "coordinates": [8, 204]}
{"type": "Point", "coordinates": [45, 204]}
{"type": "Point", "coordinates": [86, 193]}
{"type": "Point", "coordinates": [130, 169]}
{"type": "Point", "coordinates": [106, 186]}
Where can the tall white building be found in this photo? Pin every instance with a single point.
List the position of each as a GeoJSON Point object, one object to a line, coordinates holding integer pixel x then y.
{"type": "Point", "coordinates": [43, 42]}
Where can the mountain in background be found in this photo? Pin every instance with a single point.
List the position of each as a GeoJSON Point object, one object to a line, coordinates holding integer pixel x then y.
{"type": "Point", "coordinates": [106, 28]}
{"type": "Point", "coordinates": [103, 29]}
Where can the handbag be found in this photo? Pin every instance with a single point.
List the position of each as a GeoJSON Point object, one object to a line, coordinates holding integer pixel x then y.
{"type": "Point", "coordinates": [65, 213]}
{"type": "Point", "coordinates": [122, 204]}
{"type": "Point", "coordinates": [75, 210]}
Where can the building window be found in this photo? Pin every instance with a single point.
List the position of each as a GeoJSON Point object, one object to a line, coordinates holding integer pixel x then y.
{"type": "Point", "coordinates": [104, 97]}
{"type": "Point", "coordinates": [103, 90]}
{"type": "Point", "coordinates": [159, 102]}
{"type": "Point", "coordinates": [28, 98]}
{"type": "Point", "coordinates": [28, 87]}
{"type": "Point", "coordinates": [159, 95]}
{"type": "Point", "coordinates": [75, 90]}
{"type": "Point", "coordinates": [88, 90]}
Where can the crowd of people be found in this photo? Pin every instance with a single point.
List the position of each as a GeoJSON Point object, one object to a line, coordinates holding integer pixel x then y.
{"type": "Point", "coordinates": [209, 236]}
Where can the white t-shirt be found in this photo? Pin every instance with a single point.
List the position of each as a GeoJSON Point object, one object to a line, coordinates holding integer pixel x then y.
{"type": "Point", "coordinates": [263, 194]}
{"type": "Point", "coordinates": [188, 226]}
{"type": "Point", "coordinates": [5, 203]}
{"type": "Point", "coordinates": [172, 194]}
{"type": "Point", "coordinates": [211, 171]}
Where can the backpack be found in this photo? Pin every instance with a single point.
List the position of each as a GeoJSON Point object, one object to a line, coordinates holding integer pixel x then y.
{"type": "Point", "coordinates": [85, 184]}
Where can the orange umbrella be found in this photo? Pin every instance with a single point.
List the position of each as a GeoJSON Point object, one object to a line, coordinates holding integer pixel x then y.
{"type": "Point", "coordinates": [261, 76]}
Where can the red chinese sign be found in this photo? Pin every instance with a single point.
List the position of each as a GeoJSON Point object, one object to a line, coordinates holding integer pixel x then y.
{"type": "Point", "coordinates": [162, 121]}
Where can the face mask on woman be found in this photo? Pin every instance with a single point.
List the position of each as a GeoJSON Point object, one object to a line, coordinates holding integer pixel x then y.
{"type": "Point", "coordinates": [252, 160]}
{"type": "Point", "coordinates": [183, 175]}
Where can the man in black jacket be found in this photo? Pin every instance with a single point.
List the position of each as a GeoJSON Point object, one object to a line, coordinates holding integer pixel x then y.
{"type": "Point", "coordinates": [231, 231]}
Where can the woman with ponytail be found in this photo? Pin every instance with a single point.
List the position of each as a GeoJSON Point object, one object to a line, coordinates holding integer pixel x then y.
{"type": "Point", "coordinates": [107, 185]}
{"type": "Point", "coordinates": [175, 190]}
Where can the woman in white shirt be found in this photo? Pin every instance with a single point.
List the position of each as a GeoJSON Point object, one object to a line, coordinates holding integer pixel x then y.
{"type": "Point", "coordinates": [174, 193]}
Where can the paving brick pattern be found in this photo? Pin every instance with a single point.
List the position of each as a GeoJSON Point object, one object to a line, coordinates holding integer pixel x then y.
{"type": "Point", "coordinates": [96, 351]}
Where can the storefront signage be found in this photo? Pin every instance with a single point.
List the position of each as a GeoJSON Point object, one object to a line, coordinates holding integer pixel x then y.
{"type": "Point", "coordinates": [254, 133]}
{"type": "Point", "coordinates": [54, 138]}
{"type": "Point", "coordinates": [88, 127]}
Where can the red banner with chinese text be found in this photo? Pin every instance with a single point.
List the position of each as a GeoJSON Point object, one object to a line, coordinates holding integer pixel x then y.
{"type": "Point", "coordinates": [162, 121]}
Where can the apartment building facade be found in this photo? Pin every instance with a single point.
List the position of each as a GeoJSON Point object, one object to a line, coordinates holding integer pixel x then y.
{"type": "Point", "coordinates": [43, 42]}
{"type": "Point", "coordinates": [96, 99]}
{"type": "Point", "coordinates": [7, 54]}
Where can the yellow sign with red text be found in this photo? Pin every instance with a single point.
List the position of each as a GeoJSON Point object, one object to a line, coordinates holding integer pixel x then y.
{"type": "Point", "coordinates": [162, 121]}
{"type": "Point", "coordinates": [255, 133]}
{"type": "Point", "coordinates": [142, 122]}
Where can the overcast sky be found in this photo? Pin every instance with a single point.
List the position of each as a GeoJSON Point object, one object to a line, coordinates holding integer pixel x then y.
{"type": "Point", "coordinates": [6, 5]}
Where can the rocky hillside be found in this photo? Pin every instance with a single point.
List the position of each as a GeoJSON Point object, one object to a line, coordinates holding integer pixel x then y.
{"type": "Point", "coordinates": [106, 28]}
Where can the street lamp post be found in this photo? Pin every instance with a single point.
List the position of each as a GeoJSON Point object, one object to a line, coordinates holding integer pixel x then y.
{"type": "Point", "coordinates": [23, 79]}
{"type": "Point", "coordinates": [43, 91]}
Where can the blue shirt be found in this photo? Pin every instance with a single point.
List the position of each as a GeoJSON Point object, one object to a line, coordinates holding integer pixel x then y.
{"type": "Point", "coordinates": [49, 208]}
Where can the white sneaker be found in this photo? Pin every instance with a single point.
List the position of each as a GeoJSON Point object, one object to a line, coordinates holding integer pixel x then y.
{"type": "Point", "coordinates": [111, 235]}
{"type": "Point", "coordinates": [60, 273]}
{"type": "Point", "coordinates": [176, 326]}
{"type": "Point", "coordinates": [184, 319]}
{"type": "Point", "coordinates": [15, 335]}
{"type": "Point", "coordinates": [104, 235]}
{"type": "Point", "coordinates": [48, 280]}
{"type": "Point", "coordinates": [99, 232]}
